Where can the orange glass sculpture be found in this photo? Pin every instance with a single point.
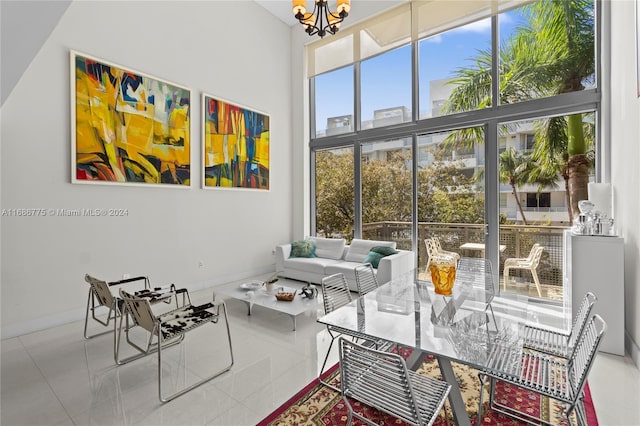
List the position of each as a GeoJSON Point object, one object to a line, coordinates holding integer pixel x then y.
{"type": "Point", "coordinates": [443, 274]}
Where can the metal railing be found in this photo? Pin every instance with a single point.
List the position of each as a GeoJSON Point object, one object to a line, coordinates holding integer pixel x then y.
{"type": "Point", "coordinates": [518, 240]}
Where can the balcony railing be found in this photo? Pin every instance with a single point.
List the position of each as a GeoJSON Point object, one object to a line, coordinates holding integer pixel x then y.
{"type": "Point", "coordinates": [518, 240]}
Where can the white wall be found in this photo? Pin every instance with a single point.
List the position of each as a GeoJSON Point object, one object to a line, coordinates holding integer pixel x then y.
{"type": "Point", "coordinates": [360, 10]}
{"type": "Point", "coordinates": [231, 49]}
{"type": "Point", "coordinates": [625, 156]}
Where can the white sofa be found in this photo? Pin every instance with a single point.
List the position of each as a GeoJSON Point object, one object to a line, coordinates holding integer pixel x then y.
{"type": "Point", "coordinates": [334, 256]}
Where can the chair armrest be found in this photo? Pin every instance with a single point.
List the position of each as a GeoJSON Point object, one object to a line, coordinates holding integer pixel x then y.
{"type": "Point", "coordinates": [282, 252]}
{"type": "Point", "coordinates": [130, 280]}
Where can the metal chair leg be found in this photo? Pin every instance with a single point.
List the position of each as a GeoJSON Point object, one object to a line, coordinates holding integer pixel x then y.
{"type": "Point", "coordinates": [91, 306]}
{"type": "Point", "coordinates": [324, 363]}
{"type": "Point", "coordinates": [200, 382]}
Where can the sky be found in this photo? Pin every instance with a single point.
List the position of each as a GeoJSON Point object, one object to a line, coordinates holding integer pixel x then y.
{"type": "Point", "coordinates": [386, 78]}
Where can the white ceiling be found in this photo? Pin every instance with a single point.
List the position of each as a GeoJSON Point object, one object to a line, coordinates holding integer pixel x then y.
{"type": "Point", "coordinates": [360, 9]}
{"type": "Point", "coordinates": [281, 9]}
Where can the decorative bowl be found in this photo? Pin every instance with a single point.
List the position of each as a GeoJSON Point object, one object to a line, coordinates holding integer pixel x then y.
{"type": "Point", "coordinates": [253, 285]}
{"type": "Point", "coordinates": [285, 296]}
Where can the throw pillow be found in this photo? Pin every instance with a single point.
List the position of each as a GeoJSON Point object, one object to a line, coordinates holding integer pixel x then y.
{"type": "Point", "coordinates": [377, 253]}
{"type": "Point", "coordinates": [384, 250]}
{"type": "Point", "coordinates": [359, 249]}
{"type": "Point", "coordinates": [304, 248]}
{"type": "Point", "coordinates": [373, 258]}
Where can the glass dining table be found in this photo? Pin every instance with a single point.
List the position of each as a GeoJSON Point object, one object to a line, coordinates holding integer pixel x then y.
{"type": "Point", "coordinates": [459, 327]}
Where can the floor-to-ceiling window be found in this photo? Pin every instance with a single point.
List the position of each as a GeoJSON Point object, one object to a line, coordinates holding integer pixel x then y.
{"type": "Point", "coordinates": [387, 191]}
{"type": "Point", "coordinates": [334, 193]}
{"type": "Point", "coordinates": [474, 121]}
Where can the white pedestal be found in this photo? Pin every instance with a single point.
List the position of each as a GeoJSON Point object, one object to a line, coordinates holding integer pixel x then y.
{"type": "Point", "coordinates": [596, 264]}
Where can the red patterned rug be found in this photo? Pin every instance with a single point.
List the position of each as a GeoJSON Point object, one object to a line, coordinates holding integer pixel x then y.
{"type": "Point", "coordinates": [319, 405]}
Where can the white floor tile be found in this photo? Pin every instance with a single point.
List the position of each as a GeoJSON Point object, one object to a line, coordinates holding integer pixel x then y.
{"type": "Point", "coordinates": [56, 377]}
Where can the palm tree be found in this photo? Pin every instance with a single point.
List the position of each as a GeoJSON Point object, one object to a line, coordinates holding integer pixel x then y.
{"type": "Point", "coordinates": [550, 55]}
{"type": "Point", "coordinates": [515, 169]}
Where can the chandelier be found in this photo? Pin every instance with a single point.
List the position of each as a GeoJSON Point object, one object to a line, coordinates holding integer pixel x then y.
{"type": "Point", "coordinates": [322, 20]}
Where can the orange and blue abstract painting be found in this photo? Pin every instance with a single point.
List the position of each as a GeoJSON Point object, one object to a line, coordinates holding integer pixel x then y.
{"type": "Point", "coordinates": [129, 127]}
{"type": "Point", "coordinates": [236, 146]}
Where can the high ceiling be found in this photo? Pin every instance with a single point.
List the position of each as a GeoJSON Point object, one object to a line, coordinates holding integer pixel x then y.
{"type": "Point", "coordinates": [281, 9]}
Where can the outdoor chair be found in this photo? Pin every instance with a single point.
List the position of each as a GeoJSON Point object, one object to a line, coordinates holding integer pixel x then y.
{"type": "Point", "coordinates": [434, 249]}
{"type": "Point", "coordinates": [530, 262]}
{"type": "Point", "coordinates": [544, 374]}
{"type": "Point", "coordinates": [382, 380]}
{"type": "Point", "coordinates": [366, 280]}
{"type": "Point", "coordinates": [100, 296]}
{"type": "Point", "coordinates": [557, 343]}
{"type": "Point", "coordinates": [169, 329]}
{"type": "Point", "coordinates": [335, 294]}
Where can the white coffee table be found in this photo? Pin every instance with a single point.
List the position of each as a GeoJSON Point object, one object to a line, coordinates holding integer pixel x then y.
{"type": "Point", "coordinates": [268, 300]}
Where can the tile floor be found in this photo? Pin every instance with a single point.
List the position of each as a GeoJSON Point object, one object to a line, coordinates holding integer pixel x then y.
{"type": "Point", "coordinates": [56, 377]}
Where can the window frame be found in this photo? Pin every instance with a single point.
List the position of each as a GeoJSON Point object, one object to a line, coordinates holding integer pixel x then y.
{"type": "Point", "coordinates": [588, 100]}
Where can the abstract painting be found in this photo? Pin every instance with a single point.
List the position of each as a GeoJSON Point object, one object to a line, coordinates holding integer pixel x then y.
{"type": "Point", "coordinates": [127, 127]}
{"type": "Point", "coordinates": [235, 146]}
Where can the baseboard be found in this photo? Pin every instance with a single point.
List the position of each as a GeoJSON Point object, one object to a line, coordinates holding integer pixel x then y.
{"type": "Point", "coordinates": [67, 317]}
{"type": "Point", "coordinates": [632, 349]}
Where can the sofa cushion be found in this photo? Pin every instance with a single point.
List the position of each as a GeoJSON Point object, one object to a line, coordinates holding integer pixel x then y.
{"type": "Point", "coordinates": [359, 249]}
{"type": "Point", "coordinates": [304, 248]}
{"type": "Point", "coordinates": [314, 265]}
{"type": "Point", "coordinates": [346, 268]}
{"type": "Point", "coordinates": [329, 248]}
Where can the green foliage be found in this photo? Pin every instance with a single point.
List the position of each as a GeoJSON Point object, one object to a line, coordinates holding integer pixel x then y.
{"type": "Point", "coordinates": [445, 194]}
{"type": "Point", "coordinates": [334, 194]}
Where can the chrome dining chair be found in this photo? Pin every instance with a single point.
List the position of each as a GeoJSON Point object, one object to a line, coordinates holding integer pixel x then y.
{"type": "Point", "coordinates": [169, 329]}
{"type": "Point", "coordinates": [557, 343]}
{"type": "Point", "coordinates": [335, 294]}
{"type": "Point", "coordinates": [544, 374]}
{"type": "Point", "coordinates": [382, 380]}
{"type": "Point", "coordinates": [366, 280]}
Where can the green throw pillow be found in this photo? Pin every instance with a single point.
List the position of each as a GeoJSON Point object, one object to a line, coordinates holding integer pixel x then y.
{"type": "Point", "coordinates": [384, 250]}
{"type": "Point", "coordinates": [373, 258]}
{"type": "Point", "coordinates": [304, 248]}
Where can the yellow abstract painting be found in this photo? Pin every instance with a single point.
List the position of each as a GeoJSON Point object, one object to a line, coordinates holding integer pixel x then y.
{"type": "Point", "coordinates": [128, 127]}
{"type": "Point", "coordinates": [235, 146]}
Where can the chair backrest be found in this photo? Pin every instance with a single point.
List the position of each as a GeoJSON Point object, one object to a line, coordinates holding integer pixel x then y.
{"type": "Point", "coordinates": [365, 279]}
{"type": "Point", "coordinates": [436, 244]}
{"type": "Point", "coordinates": [335, 292]}
{"type": "Point", "coordinates": [580, 320]}
{"type": "Point", "coordinates": [585, 353]}
{"type": "Point", "coordinates": [378, 379]}
{"type": "Point", "coordinates": [432, 249]}
{"type": "Point", "coordinates": [536, 254]}
{"type": "Point", "coordinates": [478, 272]}
{"type": "Point", "coordinates": [100, 289]}
{"type": "Point", "coordinates": [532, 252]}
{"type": "Point", "coordinates": [140, 311]}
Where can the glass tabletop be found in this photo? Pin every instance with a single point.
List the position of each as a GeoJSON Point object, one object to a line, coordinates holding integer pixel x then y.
{"type": "Point", "coordinates": [466, 326]}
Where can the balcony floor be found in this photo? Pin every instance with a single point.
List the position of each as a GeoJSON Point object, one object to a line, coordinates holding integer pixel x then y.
{"type": "Point", "coordinates": [528, 288]}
